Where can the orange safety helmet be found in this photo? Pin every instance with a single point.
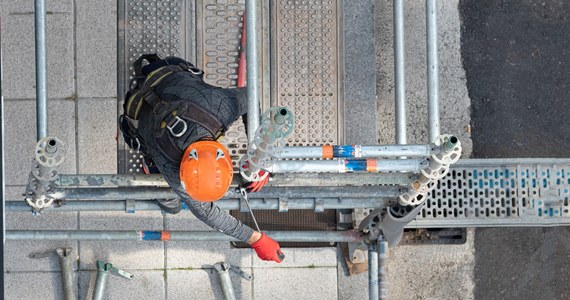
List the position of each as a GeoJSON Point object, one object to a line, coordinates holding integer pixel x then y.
{"type": "Point", "coordinates": [206, 171]}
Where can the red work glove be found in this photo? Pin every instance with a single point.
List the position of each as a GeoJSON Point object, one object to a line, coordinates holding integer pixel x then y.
{"type": "Point", "coordinates": [257, 185]}
{"type": "Point", "coordinates": [268, 249]}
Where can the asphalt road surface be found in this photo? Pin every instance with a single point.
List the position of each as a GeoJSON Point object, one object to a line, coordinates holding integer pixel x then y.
{"type": "Point", "coordinates": [516, 57]}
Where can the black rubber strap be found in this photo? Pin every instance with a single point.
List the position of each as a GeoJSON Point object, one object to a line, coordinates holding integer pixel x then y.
{"type": "Point", "coordinates": [168, 146]}
{"type": "Point", "coordinates": [137, 65]}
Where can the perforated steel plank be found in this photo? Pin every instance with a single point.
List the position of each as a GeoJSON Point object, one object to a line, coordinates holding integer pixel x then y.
{"type": "Point", "coordinates": [305, 58]}
{"type": "Point", "coordinates": [218, 45]}
{"type": "Point", "coordinates": [149, 26]}
{"type": "Point", "coordinates": [305, 79]}
{"type": "Point", "coordinates": [513, 195]}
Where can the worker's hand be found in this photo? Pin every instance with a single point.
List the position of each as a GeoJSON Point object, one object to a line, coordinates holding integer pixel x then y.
{"type": "Point", "coordinates": [268, 249]}
{"type": "Point", "coordinates": [257, 185]}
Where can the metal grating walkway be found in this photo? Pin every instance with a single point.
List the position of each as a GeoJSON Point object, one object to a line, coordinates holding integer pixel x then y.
{"type": "Point", "coordinates": [488, 193]}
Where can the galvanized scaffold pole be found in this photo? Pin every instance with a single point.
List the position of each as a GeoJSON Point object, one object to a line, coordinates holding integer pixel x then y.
{"type": "Point", "coordinates": [252, 54]}
{"type": "Point", "coordinates": [199, 236]}
{"type": "Point", "coordinates": [377, 279]}
{"type": "Point", "coordinates": [373, 271]}
{"type": "Point", "coordinates": [2, 170]}
{"type": "Point", "coordinates": [432, 70]}
{"type": "Point", "coordinates": [41, 69]}
{"type": "Point", "coordinates": [400, 72]}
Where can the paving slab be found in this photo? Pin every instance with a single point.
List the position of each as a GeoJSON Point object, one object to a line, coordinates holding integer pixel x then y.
{"type": "Point", "coordinates": [15, 192]}
{"type": "Point", "coordinates": [123, 254]}
{"type": "Point", "coordinates": [20, 138]}
{"type": "Point", "coordinates": [22, 7]}
{"type": "Point", "coordinates": [144, 285]}
{"type": "Point", "coordinates": [18, 42]}
{"type": "Point", "coordinates": [350, 287]}
{"type": "Point", "coordinates": [302, 257]}
{"type": "Point", "coordinates": [197, 254]}
{"type": "Point", "coordinates": [46, 221]}
{"type": "Point", "coordinates": [204, 284]}
{"type": "Point", "coordinates": [96, 131]}
{"type": "Point", "coordinates": [33, 285]}
{"type": "Point", "coordinates": [96, 46]}
{"type": "Point", "coordinates": [16, 253]}
{"type": "Point", "coordinates": [295, 283]}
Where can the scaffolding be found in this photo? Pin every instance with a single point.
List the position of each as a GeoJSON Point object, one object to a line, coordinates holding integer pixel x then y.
{"type": "Point", "coordinates": [391, 180]}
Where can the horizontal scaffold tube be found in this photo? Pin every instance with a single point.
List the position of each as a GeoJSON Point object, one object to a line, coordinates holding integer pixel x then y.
{"type": "Point", "coordinates": [307, 179]}
{"type": "Point", "coordinates": [149, 235]}
{"type": "Point", "coordinates": [149, 193]}
{"type": "Point", "coordinates": [348, 165]}
{"type": "Point", "coordinates": [101, 180]}
{"type": "Point", "coordinates": [357, 151]}
{"type": "Point", "coordinates": [225, 204]}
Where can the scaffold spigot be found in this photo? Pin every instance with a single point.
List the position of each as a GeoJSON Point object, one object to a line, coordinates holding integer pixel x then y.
{"type": "Point", "coordinates": [276, 125]}
{"type": "Point", "coordinates": [49, 155]}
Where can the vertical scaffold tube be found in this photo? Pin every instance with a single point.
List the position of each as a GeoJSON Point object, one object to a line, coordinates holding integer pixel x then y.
{"type": "Point", "coordinates": [432, 70]}
{"type": "Point", "coordinates": [382, 276]}
{"type": "Point", "coordinates": [400, 72]}
{"type": "Point", "coordinates": [2, 170]}
{"type": "Point", "coordinates": [223, 270]}
{"type": "Point", "coordinates": [373, 271]}
{"type": "Point", "coordinates": [41, 69]}
{"type": "Point", "coordinates": [101, 281]}
{"type": "Point", "coordinates": [252, 67]}
{"type": "Point", "coordinates": [67, 274]}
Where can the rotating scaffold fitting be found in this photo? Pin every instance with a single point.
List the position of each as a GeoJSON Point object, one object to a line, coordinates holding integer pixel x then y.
{"type": "Point", "coordinates": [49, 155]}
{"type": "Point", "coordinates": [276, 125]}
{"type": "Point", "coordinates": [437, 169]}
{"type": "Point", "coordinates": [389, 224]}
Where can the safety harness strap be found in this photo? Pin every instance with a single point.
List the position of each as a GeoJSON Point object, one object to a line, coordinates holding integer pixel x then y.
{"type": "Point", "coordinates": [194, 113]}
{"type": "Point", "coordinates": [175, 121]}
{"type": "Point", "coordinates": [176, 125]}
{"type": "Point", "coordinates": [146, 91]}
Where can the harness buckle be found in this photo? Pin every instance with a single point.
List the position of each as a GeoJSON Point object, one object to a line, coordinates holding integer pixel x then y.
{"type": "Point", "coordinates": [195, 71]}
{"type": "Point", "coordinates": [138, 144]}
{"type": "Point", "coordinates": [177, 121]}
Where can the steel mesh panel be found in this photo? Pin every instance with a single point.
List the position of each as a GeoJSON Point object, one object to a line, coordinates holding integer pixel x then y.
{"type": "Point", "coordinates": [306, 75]}
{"type": "Point", "coordinates": [218, 53]}
{"type": "Point", "coordinates": [293, 220]}
{"type": "Point", "coordinates": [523, 192]}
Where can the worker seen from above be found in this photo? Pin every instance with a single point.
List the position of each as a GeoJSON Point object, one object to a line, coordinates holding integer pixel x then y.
{"type": "Point", "coordinates": [175, 120]}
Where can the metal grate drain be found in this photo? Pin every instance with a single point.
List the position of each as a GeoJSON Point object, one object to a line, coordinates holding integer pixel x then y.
{"type": "Point", "coordinates": [294, 220]}
{"type": "Point", "coordinates": [434, 236]}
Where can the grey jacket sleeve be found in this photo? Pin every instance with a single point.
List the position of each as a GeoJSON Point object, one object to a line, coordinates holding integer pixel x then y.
{"type": "Point", "coordinates": [211, 214]}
